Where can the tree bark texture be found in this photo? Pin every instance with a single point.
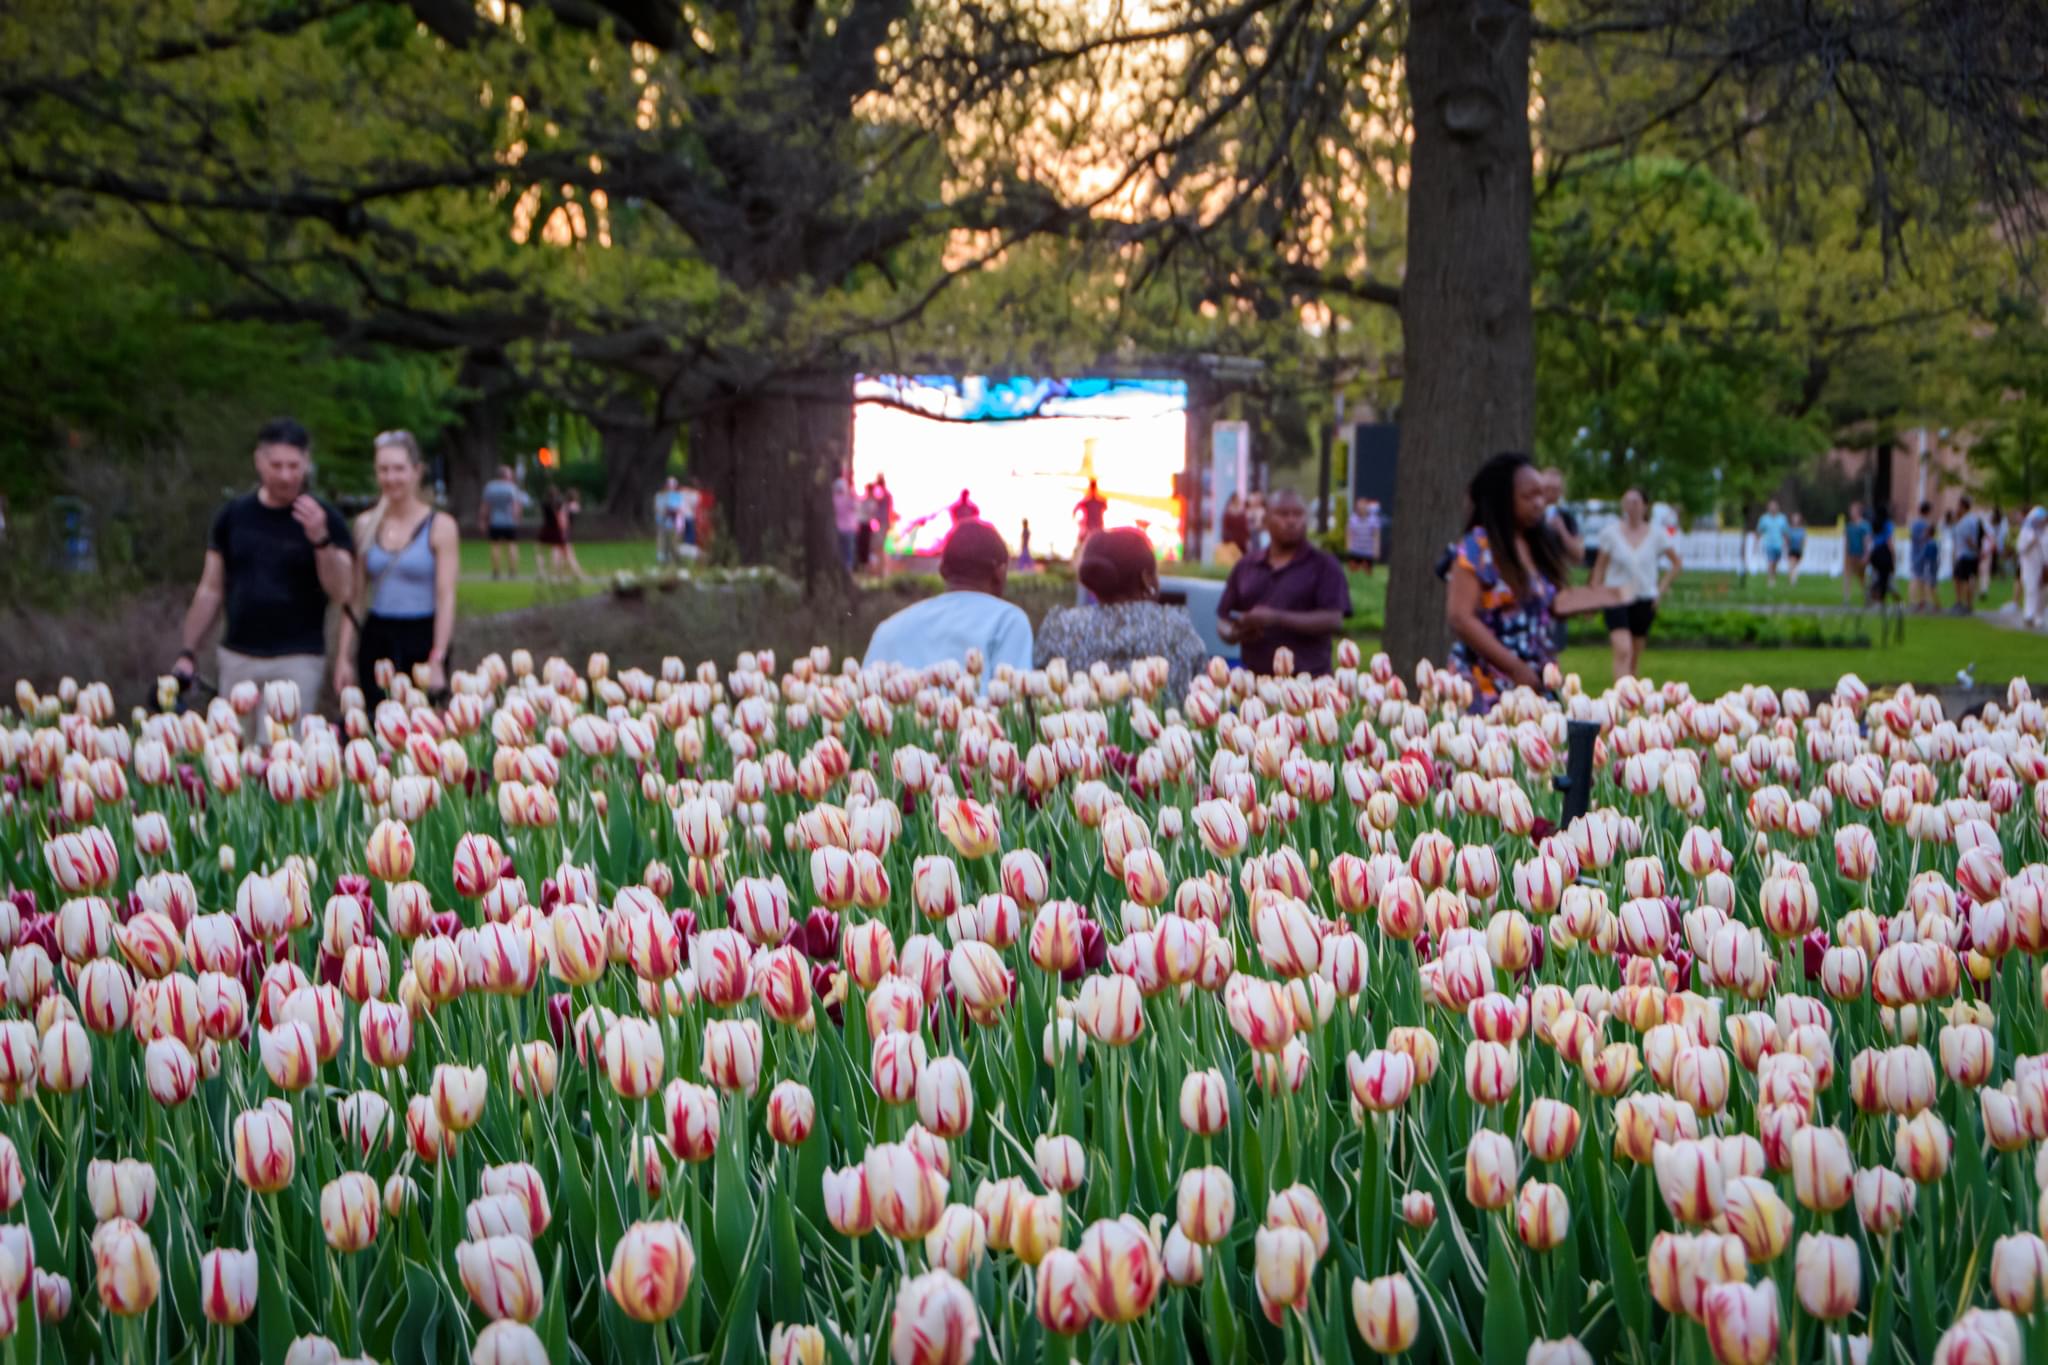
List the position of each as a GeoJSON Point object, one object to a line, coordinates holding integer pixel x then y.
{"type": "Point", "coordinates": [1469, 362]}
{"type": "Point", "coordinates": [768, 459]}
{"type": "Point", "coordinates": [637, 442]}
{"type": "Point", "coordinates": [475, 442]}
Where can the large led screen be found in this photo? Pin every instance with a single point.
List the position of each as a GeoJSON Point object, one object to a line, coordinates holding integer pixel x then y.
{"type": "Point", "coordinates": [1024, 450]}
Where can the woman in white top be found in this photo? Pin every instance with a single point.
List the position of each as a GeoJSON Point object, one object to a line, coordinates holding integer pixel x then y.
{"type": "Point", "coordinates": [1632, 556]}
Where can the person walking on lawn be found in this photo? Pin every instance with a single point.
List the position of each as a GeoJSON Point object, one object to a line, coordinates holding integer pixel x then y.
{"type": "Point", "coordinates": [1969, 549]}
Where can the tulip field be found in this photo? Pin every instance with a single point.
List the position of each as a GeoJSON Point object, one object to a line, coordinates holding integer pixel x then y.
{"type": "Point", "coordinates": [805, 1012]}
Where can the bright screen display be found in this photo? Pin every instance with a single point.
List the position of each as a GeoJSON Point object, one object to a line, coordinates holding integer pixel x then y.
{"type": "Point", "coordinates": [1024, 450]}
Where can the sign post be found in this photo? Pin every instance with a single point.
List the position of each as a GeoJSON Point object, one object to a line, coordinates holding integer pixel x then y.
{"type": "Point", "coordinates": [1230, 452]}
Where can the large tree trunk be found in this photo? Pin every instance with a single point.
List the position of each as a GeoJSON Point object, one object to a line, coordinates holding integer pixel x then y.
{"type": "Point", "coordinates": [637, 444]}
{"type": "Point", "coordinates": [1469, 363]}
{"type": "Point", "coordinates": [475, 442]}
{"type": "Point", "coordinates": [768, 459]}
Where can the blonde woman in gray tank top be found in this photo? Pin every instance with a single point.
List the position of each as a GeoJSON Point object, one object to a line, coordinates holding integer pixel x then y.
{"type": "Point", "coordinates": [401, 614]}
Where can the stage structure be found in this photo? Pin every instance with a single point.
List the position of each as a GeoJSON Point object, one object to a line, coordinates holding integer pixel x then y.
{"type": "Point", "coordinates": [1024, 449]}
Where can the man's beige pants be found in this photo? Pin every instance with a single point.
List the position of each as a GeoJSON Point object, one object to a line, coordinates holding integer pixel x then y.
{"type": "Point", "coordinates": [309, 671]}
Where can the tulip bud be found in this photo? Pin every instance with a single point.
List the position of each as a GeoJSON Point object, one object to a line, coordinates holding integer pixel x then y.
{"type": "Point", "coordinates": [1386, 1312]}
{"type": "Point", "coordinates": [1120, 1269]}
{"type": "Point", "coordinates": [348, 1211]}
{"type": "Point", "coordinates": [1490, 1169]}
{"type": "Point", "coordinates": [2019, 1272]}
{"type": "Point", "coordinates": [1742, 1322]}
{"type": "Point", "coordinates": [1204, 1103]}
{"type": "Point", "coordinates": [502, 1277]}
{"type": "Point", "coordinates": [508, 1342]}
{"type": "Point", "coordinates": [1206, 1205]}
{"type": "Point", "coordinates": [125, 1267]}
{"type": "Point", "coordinates": [265, 1153]}
{"type": "Point", "coordinates": [1884, 1200]}
{"type": "Point", "coordinates": [121, 1189]}
{"type": "Point", "coordinates": [1822, 1173]}
{"type": "Point", "coordinates": [791, 1113]}
{"type": "Point", "coordinates": [458, 1095]}
{"type": "Point", "coordinates": [1062, 1301]}
{"type": "Point", "coordinates": [1060, 1162]}
{"type": "Point", "coordinates": [935, 1322]}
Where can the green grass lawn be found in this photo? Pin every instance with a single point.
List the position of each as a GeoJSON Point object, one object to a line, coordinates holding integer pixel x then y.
{"type": "Point", "coordinates": [1934, 648]}
{"type": "Point", "coordinates": [478, 594]}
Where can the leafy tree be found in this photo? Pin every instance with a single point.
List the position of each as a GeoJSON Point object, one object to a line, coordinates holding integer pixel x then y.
{"type": "Point", "coordinates": [1652, 365]}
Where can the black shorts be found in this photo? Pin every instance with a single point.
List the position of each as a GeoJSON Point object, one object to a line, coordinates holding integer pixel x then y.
{"type": "Point", "coordinates": [503, 533]}
{"type": "Point", "coordinates": [1635, 618]}
{"type": "Point", "coordinates": [405, 640]}
{"type": "Point", "coordinates": [1966, 566]}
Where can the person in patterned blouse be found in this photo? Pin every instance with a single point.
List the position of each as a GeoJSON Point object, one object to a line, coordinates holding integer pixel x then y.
{"type": "Point", "coordinates": [1127, 622]}
{"type": "Point", "coordinates": [1506, 581]}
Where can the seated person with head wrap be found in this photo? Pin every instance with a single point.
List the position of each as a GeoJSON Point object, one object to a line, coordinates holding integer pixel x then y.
{"type": "Point", "coordinates": [1128, 621]}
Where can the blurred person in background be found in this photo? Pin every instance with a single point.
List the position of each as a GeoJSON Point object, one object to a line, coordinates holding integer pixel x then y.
{"type": "Point", "coordinates": [402, 604]}
{"type": "Point", "coordinates": [1362, 535]}
{"type": "Point", "coordinates": [1924, 550]}
{"type": "Point", "coordinates": [1236, 528]}
{"type": "Point", "coordinates": [882, 502]}
{"type": "Point", "coordinates": [1559, 518]}
{"type": "Point", "coordinates": [2030, 550]}
{"type": "Point", "coordinates": [1967, 541]}
{"type": "Point", "coordinates": [1882, 563]}
{"type": "Point", "coordinates": [1795, 547]}
{"type": "Point", "coordinates": [275, 558]}
{"type": "Point", "coordinates": [1855, 550]}
{"type": "Point", "coordinates": [668, 520]}
{"type": "Point", "coordinates": [1505, 579]}
{"type": "Point", "coordinates": [1632, 560]}
{"type": "Point", "coordinates": [498, 511]}
{"type": "Point", "coordinates": [1127, 620]}
{"type": "Point", "coordinates": [1287, 594]}
{"type": "Point", "coordinates": [846, 518]}
{"type": "Point", "coordinates": [558, 560]}
{"type": "Point", "coordinates": [1770, 534]}
{"type": "Point", "coordinates": [1090, 511]}
{"type": "Point", "coordinates": [969, 614]}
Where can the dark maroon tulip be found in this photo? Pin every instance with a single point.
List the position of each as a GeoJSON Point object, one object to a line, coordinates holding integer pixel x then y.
{"type": "Point", "coordinates": [446, 924]}
{"type": "Point", "coordinates": [41, 930]}
{"type": "Point", "coordinates": [24, 900]}
{"type": "Point", "coordinates": [1682, 959]}
{"type": "Point", "coordinates": [560, 1007]}
{"type": "Point", "coordinates": [821, 986]}
{"type": "Point", "coordinates": [818, 935]}
{"type": "Point", "coordinates": [685, 922]}
{"type": "Point", "coordinates": [327, 968]}
{"type": "Point", "coordinates": [1542, 829]}
{"type": "Point", "coordinates": [1094, 952]}
{"type": "Point", "coordinates": [1812, 949]}
{"type": "Point", "coordinates": [550, 895]}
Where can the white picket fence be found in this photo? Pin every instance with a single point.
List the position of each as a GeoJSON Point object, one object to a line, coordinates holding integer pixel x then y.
{"type": "Point", "coordinates": [1727, 552]}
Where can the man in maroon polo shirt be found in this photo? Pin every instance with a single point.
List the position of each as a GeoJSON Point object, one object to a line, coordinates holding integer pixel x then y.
{"type": "Point", "coordinates": [1290, 593]}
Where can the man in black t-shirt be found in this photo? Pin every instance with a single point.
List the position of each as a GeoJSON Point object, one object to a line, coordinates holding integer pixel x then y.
{"type": "Point", "coordinates": [274, 559]}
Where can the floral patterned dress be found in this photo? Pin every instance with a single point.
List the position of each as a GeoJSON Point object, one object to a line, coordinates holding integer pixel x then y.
{"type": "Point", "coordinates": [1523, 624]}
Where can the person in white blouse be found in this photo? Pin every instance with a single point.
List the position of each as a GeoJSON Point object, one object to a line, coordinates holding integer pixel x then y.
{"type": "Point", "coordinates": [1633, 558]}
